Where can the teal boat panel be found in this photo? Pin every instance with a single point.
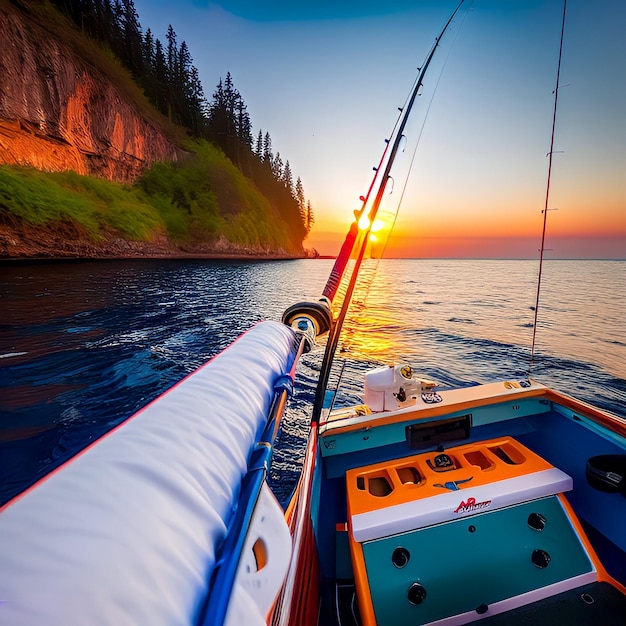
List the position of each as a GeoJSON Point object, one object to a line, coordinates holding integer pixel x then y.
{"type": "Point", "coordinates": [591, 425]}
{"type": "Point", "coordinates": [368, 438]}
{"type": "Point", "coordinates": [492, 414]}
{"type": "Point", "coordinates": [343, 561]}
{"type": "Point", "coordinates": [473, 561]}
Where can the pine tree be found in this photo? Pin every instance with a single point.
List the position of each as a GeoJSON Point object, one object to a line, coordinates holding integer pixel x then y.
{"type": "Point", "coordinates": [172, 69]}
{"type": "Point", "coordinates": [310, 217]}
{"type": "Point", "coordinates": [148, 57]}
{"type": "Point", "coordinates": [244, 127]}
{"type": "Point", "coordinates": [161, 80]}
{"type": "Point", "coordinates": [259, 145]}
{"type": "Point", "coordinates": [229, 95]}
{"type": "Point", "coordinates": [220, 121]}
{"type": "Point", "coordinates": [132, 38]}
{"type": "Point", "coordinates": [147, 49]}
{"type": "Point", "coordinates": [98, 25]}
{"type": "Point", "coordinates": [179, 85]}
{"type": "Point", "coordinates": [277, 167]}
{"type": "Point", "coordinates": [172, 52]}
{"type": "Point", "coordinates": [116, 41]}
{"type": "Point", "coordinates": [197, 101]}
{"type": "Point", "coordinates": [287, 179]}
{"type": "Point", "coordinates": [109, 23]}
{"type": "Point", "coordinates": [300, 196]}
{"type": "Point", "coordinates": [267, 150]}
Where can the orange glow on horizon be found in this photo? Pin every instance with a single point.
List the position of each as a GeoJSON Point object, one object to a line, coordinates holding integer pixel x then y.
{"type": "Point", "coordinates": [408, 245]}
{"type": "Point", "coordinates": [487, 232]}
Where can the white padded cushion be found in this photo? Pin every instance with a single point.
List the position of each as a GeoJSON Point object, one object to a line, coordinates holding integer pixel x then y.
{"type": "Point", "coordinates": [126, 532]}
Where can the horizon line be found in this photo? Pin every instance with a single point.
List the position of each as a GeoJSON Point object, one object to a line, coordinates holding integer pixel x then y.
{"type": "Point", "coordinates": [446, 258]}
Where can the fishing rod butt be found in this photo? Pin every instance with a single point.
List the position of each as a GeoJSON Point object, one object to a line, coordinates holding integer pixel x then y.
{"type": "Point", "coordinates": [309, 319]}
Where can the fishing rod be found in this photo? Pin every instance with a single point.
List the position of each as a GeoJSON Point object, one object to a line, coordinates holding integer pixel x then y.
{"type": "Point", "coordinates": [296, 315]}
{"type": "Point", "coordinates": [545, 209]}
{"type": "Point", "coordinates": [360, 243]}
{"type": "Point", "coordinates": [348, 246]}
{"type": "Point", "coordinates": [341, 262]}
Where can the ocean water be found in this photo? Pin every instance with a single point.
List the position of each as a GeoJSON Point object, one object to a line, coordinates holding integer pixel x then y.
{"type": "Point", "coordinates": [84, 345]}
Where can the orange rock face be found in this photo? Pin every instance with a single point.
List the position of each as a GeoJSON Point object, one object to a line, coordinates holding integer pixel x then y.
{"type": "Point", "coordinates": [59, 113]}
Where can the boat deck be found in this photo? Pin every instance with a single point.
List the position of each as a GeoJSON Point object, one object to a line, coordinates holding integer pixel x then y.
{"type": "Point", "coordinates": [596, 603]}
{"type": "Point", "coordinates": [393, 504]}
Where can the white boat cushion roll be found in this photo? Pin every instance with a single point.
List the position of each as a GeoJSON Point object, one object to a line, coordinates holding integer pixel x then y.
{"type": "Point", "coordinates": [126, 532]}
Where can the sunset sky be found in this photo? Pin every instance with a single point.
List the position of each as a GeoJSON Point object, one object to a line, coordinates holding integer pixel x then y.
{"type": "Point", "coordinates": [325, 79]}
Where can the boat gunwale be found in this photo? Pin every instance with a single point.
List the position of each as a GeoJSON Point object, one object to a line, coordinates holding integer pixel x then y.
{"type": "Point", "coordinates": [410, 414]}
{"type": "Point", "coordinates": [348, 424]}
{"type": "Point", "coordinates": [601, 417]}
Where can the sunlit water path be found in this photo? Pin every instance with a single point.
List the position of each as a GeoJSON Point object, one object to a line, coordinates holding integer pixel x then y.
{"type": "Point", "coordinates": [84, 345]}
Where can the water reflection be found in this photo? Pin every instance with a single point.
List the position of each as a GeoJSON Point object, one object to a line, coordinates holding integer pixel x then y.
{"type": "Point", "coordinates": [84, 345]}
{"type": "Point", "coordinates": [370, 334]}
{"type": "Point", "coordinates": [580, 316]}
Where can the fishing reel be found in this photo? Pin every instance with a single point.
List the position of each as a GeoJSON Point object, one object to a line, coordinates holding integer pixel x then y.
{"type": "Point", "coordinates": [394, 387]}
{"type": "Point", "coordinates": [309, 319]}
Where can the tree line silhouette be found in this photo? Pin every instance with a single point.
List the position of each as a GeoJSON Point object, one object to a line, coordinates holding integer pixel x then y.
{"type": "Point", "coordinates": [171, 82]}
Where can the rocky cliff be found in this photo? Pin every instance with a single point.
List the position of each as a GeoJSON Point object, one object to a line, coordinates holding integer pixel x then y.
{"type": "Point", "coordinates": [60, 112]}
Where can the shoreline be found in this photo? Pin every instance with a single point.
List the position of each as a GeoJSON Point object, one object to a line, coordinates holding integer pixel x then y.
{"type": "Point", "coordinates": [30, 244]}
{"type": "Point", "coordinates": [23, 260]}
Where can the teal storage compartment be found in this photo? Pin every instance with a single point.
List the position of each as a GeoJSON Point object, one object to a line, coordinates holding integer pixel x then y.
{"type": "Point", "coordinates": [468, 564]}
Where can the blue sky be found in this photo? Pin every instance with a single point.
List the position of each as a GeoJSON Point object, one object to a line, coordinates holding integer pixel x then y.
{"type": "Point", "coordinates": [326, 78]}
{"type": "Point", "coordinates": [283, 10]}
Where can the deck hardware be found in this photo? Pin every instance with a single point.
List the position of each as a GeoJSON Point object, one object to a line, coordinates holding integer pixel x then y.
{"type": "Point", "coordinates": [400, 557]}
{"type": "Point", "coordinates": [453, 485]}
{"type": "Point", "coordinates": [537, 521]}
{"type": "Point", "coordinates": [416, 593]}
{"type": "Point", "coordinates": [587, 598]}
{"type": "Point", "coordinates": [431, 398]}
{"type": "Point", "coordinates": [442, 463]}
{"type": "Point", "coordinates": [472, 528]}
{"type": "Point", "coordinates": [540, 558]}
{"type": "Point", "coordinates": [401, 395]}
{"type": "Point", "coordinates": [481, 609]}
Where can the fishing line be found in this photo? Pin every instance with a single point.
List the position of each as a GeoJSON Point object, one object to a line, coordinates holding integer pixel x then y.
{"type": "Point", "coordinates": [337, 280]}
{"type": "Point", "coordinates": [335, 330]}
{"type": "Point", "coordinates": [545, 209]}
{"type": "Point", "coordinates": [366, 285]}
{"type": "Point", "coordinates": [421, 131]}
{"type": "Point", "coordinates": [419, 136]}
{"type": "Point", "coordinates": [332, 404]}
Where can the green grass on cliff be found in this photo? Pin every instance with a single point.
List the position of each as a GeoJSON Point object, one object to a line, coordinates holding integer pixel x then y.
{"type": "Point", "coordinates": [194, 202]}
{"type": "Point", "coordinates": [207, 196]}
{"type": "Point", "coordinates": [96, 205]}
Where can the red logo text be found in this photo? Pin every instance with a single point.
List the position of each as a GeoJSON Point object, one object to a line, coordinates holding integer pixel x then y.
{"type": "Point", "coordinates": [471, 505]}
